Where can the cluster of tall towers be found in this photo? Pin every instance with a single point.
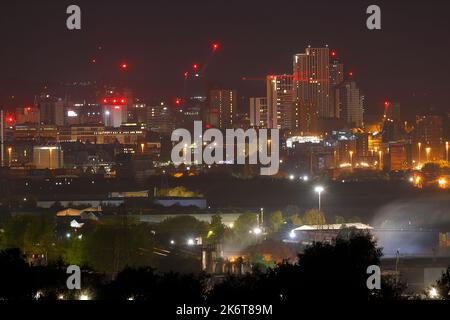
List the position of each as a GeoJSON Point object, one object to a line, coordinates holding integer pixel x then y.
{"type": "Point", "coordinates": [316, 92]}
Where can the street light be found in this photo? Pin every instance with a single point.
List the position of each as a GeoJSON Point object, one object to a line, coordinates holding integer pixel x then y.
{"type": "Point", "coordinates": [419, 145]}
{"type": "Point", "coordinates": [379, 154]}
{"type": "Point", "coordinates": [84, 296]}
{"type": "Point", "coordinates": [446, 151]}
{"type": "Point", "coordinates": [9, 155]}
{"type": "Point", "coordinates": [257, 230]}
{"type": "Point", "coordinates": [351, 158]}
{"type": "Point", "coordinates": [428, 150]}
{"type": "Point", "coordinates": [433, 293]}
{"type": "Point", "coordinates": [142, 147]}
{"type": "Point", "coordinates": [319, 190]}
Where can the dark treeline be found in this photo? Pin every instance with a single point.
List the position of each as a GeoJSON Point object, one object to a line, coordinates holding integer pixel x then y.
{"type": "Point", "coordinates": [323, 271]}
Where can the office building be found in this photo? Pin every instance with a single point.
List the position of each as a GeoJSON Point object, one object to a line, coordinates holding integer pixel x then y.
{"type": "Point", "coordinates": [351, 103]}
{"type": "Point", "coordinates": [336, 78]}
{"type": "Point", "coordinates": [311, 88]}
{"type": "Point", "coordinates": [222, 108]}
{"type": "Point", "coordinates": [160, 118]}
{"type": "Point", "coordinates": [259, 113]}
{"type": "Point", "coordinates": [280, 101]}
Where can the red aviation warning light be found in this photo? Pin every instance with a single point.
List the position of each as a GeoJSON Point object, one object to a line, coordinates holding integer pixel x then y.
{"type": "Point", "coordinates": [350, 74]}
{"type": "Point", "coordinates": [186, 74]}
{"type": "Point", "coordinates": [114, 101]}
{"type": "Point", "coordinates": [386, 104]}
{"type": "Point", "coordinates": [333, 53]}
{"type": "Point", "coordinates": [215, 46]}
{"type": "Point", "coordinates": [195, 66]}
{"type": "Point", "coordinates": [124, 66]}
{"type": "Point", "coordinates": [178, 102]}
{"type": "Point", "coordinates": [10, 120]}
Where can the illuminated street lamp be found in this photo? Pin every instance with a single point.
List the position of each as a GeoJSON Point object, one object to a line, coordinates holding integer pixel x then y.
{"type": "Point", "coordinates": [257, 230]}
{"type": "Point", "coordinates": [428, 150]}
{"type": "Point", "coordinates": [380, 153]}
{"type": "Point", "coordinates": [9, 155]}
{"type": "Point", "coordinates": [319, 190]}
{"type": "Point", "coordinates": [84, 296]}
{"type": "Point", "coordinates": [351, 159]}
{"type": "Point", "coordinates": [433, 293]}
{"type": "Point", "coordinates": [446, 151]}
{"type": "Point", "coordinates": [419, 145]}
{"type": "Point", "coordinates": [442, 182]}
{"type": "Point", "coordinates": [142, 147]}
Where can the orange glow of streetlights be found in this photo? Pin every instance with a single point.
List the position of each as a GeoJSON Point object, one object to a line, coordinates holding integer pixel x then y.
{"type": "Point", "coordinates": [9, 155]}
{"type": "Point", "coordinates": [446, 151]}
{"type": "Point", "coordinates": [428, 151]}
{"type": "Point", "coordinates": [419, 145]}
{"type": "Point", "coordinates": [442, 182]}
{"type": "Point", "coordinates": [319, 190]}
{"type": "Point", "coordinates": [380, 153]}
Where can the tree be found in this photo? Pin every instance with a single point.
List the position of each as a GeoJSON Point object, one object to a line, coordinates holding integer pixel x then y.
{"type": "Point", "coordinates": [341, 265]}
{"type": "Point", "coordinates": [324, 271]}
{"type": "Point", "coordinates": [217, 228]}
{"type": "Point", "coordinates": [15, 232]}
{"type": "Point", "coordinates": [242, 226]}
{"type": "Point", "coordinates": [73, 253]}
{"type": "Point", "coordinates": [245, 222]}
{"type": "Point", "coordinates": [354, 219]}
{"type": "Point", "coordinates": [260, 262]}
{"type": "Point", "coordinates": [180, 229]}
{"type": "Point", "coordinates": [314, 217]}
{"type": "Point", "coordinates": [339, 219]}
{"type": "Point", "coordinates": [443, 285]}
{"type": "Point", "coordinates": [15, 276]}
{"type": "Point", "coordinates": [40, 235]}
{"type": "Point", "coordinates": [295, 219]}
{"type": "Point", "coordinates": [33, 234]}
{"type": "Point", "coordinates": [113, 245]}
{"type": "Point", "coordinates": [138, 283]}
{"type": "Point", "coordinates": [275, 221]}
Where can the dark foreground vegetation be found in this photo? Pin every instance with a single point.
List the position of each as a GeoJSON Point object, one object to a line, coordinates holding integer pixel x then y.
{"type": "Point", "coordinates": [323, 271]}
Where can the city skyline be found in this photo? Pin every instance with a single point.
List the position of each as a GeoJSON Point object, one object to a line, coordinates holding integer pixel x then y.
{"type": "Point", "coordinates": [156, 64]}
{"type": "Point", "coordinates": [220, 151]}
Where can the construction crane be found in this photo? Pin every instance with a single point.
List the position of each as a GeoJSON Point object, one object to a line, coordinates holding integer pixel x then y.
{"type": "Point", "coordinates": [253, 78]}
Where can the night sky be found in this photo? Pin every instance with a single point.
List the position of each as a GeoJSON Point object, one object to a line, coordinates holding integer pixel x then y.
{"type": "Point", "coordinates": [407, 61]}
